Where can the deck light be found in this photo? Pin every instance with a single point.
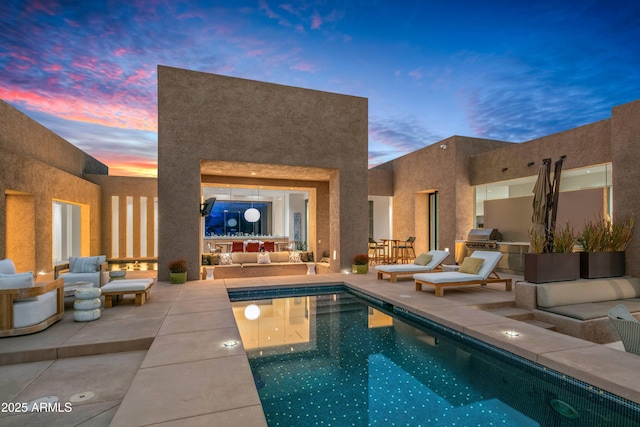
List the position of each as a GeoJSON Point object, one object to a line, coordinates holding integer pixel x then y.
{"type": "Point", "coordinates": [512, 333]}
{"type": "Point", "coordinates": [230, 343]}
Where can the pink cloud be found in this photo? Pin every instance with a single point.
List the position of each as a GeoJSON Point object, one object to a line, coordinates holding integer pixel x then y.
{"type": "Point", "coordinates": [316, 21]}
{"type": "Point", "coordinates": [304, 66]}
{"type": "Point", "coordinates": [256, 52]}
{"type": "Point", "coordinates": [88, 109]}
{"type": "Point", "coordinates": [416, 74]}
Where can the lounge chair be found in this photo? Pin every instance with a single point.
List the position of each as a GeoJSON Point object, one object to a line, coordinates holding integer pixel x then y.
{"type": "Point", "coordinates": [485, 274]}
{"type": "Point", "coordinates": [27, 307]}
{"type": "Point", "coordinates": [627, 327]}
{"type": "Point", "coordinates": [395, 270]}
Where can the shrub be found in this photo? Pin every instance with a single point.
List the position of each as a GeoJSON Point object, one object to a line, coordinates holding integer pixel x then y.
{"type": "Point", "coordinates": [564, 239]}
{"type": "Point", "coordinates": [361, 259]}
{"type": "Point", "coordinates": [178, 266]}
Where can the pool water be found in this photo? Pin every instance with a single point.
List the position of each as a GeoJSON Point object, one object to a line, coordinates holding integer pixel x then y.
{"type": "Point", "coordinates": [335, 359]}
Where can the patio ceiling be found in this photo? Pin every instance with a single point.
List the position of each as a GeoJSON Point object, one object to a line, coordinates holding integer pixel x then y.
{"type": "Point", "coordinates": [264, 171]}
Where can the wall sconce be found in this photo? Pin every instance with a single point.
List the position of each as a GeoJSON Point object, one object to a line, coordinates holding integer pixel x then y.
{"type": "Point", "coordinates": [443, 146]}
{"type": "Point", "coordinates": [530, 164]}
{"type": "Point", "coordinates": [505, 169]}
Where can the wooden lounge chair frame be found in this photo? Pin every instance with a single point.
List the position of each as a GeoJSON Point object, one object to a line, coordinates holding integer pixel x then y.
{"type": "Point", "coordinates": [439, 287]}
{"type": "Point", "coordinates": [486, 275]}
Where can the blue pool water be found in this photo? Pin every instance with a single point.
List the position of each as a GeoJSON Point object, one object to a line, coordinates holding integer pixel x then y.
{"type": "Point", "coordinates": [339, 358]}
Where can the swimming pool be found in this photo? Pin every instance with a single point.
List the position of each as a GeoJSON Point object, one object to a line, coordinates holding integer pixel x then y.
{"type": "Point", "coordinates": [334, 356]}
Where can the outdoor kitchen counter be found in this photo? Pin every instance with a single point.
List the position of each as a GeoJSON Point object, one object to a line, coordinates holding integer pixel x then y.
{"type": "Point", "coordinates": [512, 255]}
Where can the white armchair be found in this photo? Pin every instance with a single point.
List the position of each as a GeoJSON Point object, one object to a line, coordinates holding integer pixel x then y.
{"type": "Point", "coordinates": [26, 307]}
{"type": "Point", "coordinates": [83, 269]}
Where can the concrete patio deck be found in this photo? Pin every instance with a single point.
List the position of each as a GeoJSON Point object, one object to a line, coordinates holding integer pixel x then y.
{"type": "Point", "coordinates": [164, 363]}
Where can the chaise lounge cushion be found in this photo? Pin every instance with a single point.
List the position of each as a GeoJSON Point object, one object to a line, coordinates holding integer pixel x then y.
{"type": "Point", "coordinates": [127, 285]}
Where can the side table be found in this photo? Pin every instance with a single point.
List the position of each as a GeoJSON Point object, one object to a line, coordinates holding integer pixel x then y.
{"type": "Point", "coordinates": [87, 304]}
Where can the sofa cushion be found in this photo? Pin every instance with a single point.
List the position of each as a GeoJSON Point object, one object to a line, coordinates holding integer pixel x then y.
{"type": "Point", "coordinates": [7, 266]}
{"type": "Point", "coordinates": [585, 291]}
{"type": "Point", "coordinates": [281, 256]}
{"type": "Point", "coordinates": [17, 281]}
{"type": "Point", "coordinates": [294, 257]}
{"type": "Point", "coordinates": [244, 257]}
{"type": "Point", "coordinates": [591, 310]}
{"type": "Point", "coordinates": [28, 313]}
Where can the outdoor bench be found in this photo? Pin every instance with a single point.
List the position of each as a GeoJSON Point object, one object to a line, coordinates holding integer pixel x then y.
{"type": "Point", "coordinates": [579, 307]}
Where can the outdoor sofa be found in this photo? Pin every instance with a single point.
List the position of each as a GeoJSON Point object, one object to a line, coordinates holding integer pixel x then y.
{"type": "Point", "coordinates": [246, 264]}
{"type": "Point", "coordinates": [579, 307]}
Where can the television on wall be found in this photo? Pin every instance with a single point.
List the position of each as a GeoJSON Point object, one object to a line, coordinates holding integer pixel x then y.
{"type": "Point", "coordinates": [207, 206]}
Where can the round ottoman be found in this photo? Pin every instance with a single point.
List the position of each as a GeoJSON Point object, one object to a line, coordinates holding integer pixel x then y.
{"type": "Point", "coordinates": [87, 304]}
{"type": "Point", "coordinates": [117, 275]}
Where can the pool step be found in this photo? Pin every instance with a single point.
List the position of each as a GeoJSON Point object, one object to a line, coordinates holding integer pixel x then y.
{"type": "Point", "coordinates": [522, 315]}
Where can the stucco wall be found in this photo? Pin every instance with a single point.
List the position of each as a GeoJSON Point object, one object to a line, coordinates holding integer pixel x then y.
{"type": "Point", "coordinates": [26, 137]}
{"type": "Point", "coordinates": [44, 184]}
{"type": "Point", "coordinates": [212, 117]}
{"type": "Point", "coordinates": [441, 167]}
{"type": "Point", "coordinates": [625, 154]}
{"type": "Point", "coordinates": [584, 146]}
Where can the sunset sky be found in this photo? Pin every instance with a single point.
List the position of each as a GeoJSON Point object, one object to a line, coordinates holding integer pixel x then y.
{"type": "Point", "coordinates": [499, 69]}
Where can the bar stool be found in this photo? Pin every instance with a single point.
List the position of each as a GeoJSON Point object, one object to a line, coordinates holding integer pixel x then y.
{"type": "Point", "coordinates": [406, 250]}
{"type": "Point", "coordinates": [376, 251]}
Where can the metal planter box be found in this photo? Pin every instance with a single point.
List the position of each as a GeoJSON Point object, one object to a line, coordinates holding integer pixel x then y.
{"type": "Point", "coordinates": [551, 267]}
{"type": "Point", "coordinates": [595, 265]}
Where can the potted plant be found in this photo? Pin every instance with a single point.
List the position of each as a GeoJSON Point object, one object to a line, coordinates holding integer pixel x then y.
{"type": "Point", "coordinates": [360, 264]}
{"type": "Point", "coordinates": [560, 265]}
{"type": "Point", "coordinates": [603, 244]}
{"type": "Point", "coordinates": [178, 271]}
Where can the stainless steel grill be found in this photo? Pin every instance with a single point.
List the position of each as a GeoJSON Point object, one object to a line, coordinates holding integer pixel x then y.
{"type": "Point", "coordinates": [483, 238]}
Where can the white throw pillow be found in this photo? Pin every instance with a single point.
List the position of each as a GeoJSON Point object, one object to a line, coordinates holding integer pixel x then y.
{"type": "Point", "coordinates": [225, 259]}
{"type": "Point", "coordinates": [294, 257]}
{"type": "Point", "coordinates": [7, 266]}
{"type": "Point", "coordinates": [263, 258]}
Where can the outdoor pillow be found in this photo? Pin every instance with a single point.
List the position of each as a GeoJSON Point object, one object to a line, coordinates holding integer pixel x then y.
{"type": "Point", "coordinates": [214, 259]}
{"type": "Point", "coordinates": [225, 259]}
{"type": "Point", "coordinates": [471, 265]}
{"type": "Point", "coordinates": [423, 259]}
{"type": "Point", "coordinates": [294, 257]}
{"type": "Point", "coordinates": [83, 264]}
{"type": "Point", "coordinates": [16, 281]}
{"type": "Point", "coordinates": [263, 258]}
{"type": "Point", "coordinates": [7, 267]}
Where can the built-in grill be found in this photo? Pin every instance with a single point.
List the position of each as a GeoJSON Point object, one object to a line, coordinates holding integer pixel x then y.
{"type": "Point", "coordinates": [483, 238]}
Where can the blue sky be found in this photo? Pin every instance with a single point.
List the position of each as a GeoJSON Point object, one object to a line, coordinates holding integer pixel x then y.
{"type": "Point", "coordinates": [506, 70]}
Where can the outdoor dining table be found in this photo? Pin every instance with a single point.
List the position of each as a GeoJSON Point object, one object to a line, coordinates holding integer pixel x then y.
{"type": "Point", "coordinates": [390, 255]}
